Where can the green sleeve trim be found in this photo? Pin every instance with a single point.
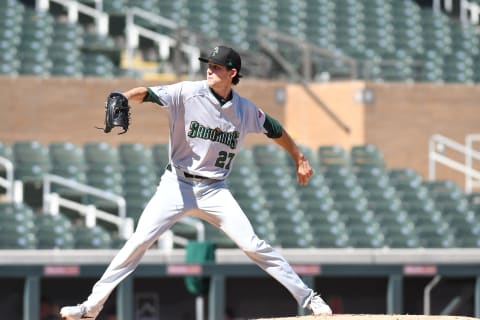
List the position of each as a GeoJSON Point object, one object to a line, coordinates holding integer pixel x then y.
{"type": "Point", "coordinates": [273, 127]}
{"type": "Point", "coordinates": [152, 97]}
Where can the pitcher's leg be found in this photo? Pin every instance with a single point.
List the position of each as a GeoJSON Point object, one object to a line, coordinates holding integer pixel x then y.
{"type": "Point", "coordinates": [232, 220]}
{"type": "Point", "coordinates": [162, 211]}
{"type": "Point", "coordinates": [274, 264]}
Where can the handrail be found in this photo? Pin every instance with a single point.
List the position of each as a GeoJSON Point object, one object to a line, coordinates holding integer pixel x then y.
{"type": "Point", "coordinates": [263, 33]}
{"type": "Point", "coordinates": [133, 31]}
{"type": "Point", "coordinates": [427, 294]}
{"type": "Point", "coordinates": [437, 153]}
{"type": "Point", "coordinates": [7, 182]}
{"type": "Point", "coordinates": [468, 10]}
{"type": "Point", "coordinates": [52, 201]}
{"type": "Point", "coordinates": [471, 7]}
{"type": "Point", "coordinates": [125, 224]}
{"type": "Point", "coordinates": [74, 7]}
{"type": "Point", "coordinates": [470, 182]}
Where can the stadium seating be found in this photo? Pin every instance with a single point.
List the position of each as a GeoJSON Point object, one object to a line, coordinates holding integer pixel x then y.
{"type": "Point", "coordinates": [17, 226]}
{"type": "Point", "coordinates": [160, 157]}
{"type": "Point", "coordinates": [37, 33]}
{"type": "Point", "coordinates": [353, 200]}
{"type": "Point", "coordinates": [391, 40]}
{"type": "Point", "coordinates": [64, 50]}
{"type": "Point", "coordinates": [54, 232]}
{"type": "Point", "coordinates": [91, 238]}
{"type": "Point", "coordinates": [11, 16]}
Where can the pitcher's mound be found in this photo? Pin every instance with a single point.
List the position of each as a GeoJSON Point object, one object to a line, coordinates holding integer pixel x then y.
{"type": "Point", "coordinates": [374, 317]}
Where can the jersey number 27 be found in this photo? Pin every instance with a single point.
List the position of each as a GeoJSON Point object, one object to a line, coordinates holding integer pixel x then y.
{"type": "Point", "coordinates": [224, 159]}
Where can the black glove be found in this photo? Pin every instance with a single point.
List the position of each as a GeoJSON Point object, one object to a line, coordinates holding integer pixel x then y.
{"type": "Point", "coordinates": [117, 112]}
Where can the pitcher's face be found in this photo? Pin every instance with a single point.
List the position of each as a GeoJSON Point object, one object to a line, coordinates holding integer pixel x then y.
{"type": "Point", "coordinates": [219, 76]}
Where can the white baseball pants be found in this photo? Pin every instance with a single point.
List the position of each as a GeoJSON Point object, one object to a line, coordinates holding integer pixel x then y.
{"type": "Point", "coordinates": [211, 201]}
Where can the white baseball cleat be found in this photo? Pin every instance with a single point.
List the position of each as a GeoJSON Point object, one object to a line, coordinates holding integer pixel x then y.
{"type": "Point", "coordinates": [319, 307]}
{"type": "Point", "coordinates": [76, 313]}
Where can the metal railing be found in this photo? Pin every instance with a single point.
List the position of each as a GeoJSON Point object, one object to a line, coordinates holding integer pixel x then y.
{"type": "Point", "coordinates": [7, 182]}
{"type": "Point", "coordinates": [133, 32]}
{"type": "Point", "coordinates": [267, 37]}
{"type": "Point", "coordinates": [74, 8]}
{"type": "Point", "coordinates": [469, 11]}
{"type": "Point", "coordinates": [471, 182]}
{"type": "Point", "coordinates": [53, 201]}
{"type": "Point", "coordinates": [439, 149]}
{"type": "Point", "coordinates": [13, 188]}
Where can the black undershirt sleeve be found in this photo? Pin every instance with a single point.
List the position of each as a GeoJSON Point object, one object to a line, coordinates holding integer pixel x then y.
{"type": "Point", "coordinates": [273, 127]}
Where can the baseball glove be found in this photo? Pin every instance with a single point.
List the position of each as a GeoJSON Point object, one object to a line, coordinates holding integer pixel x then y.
{"type": "Point", "coordinates": [117, 112]}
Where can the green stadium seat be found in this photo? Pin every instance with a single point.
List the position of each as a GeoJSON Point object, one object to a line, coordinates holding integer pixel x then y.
{"type": "Point", "coordinates": [66, 153]}
{"type": "Point", "coordinates": [149, 5]}
{"type": "Point", "coordinates": [294, 232]}
{"type": "Point", "coordinates": [17, 241]}
{"type": "Point", "coordinates": [65, 49]}
{"type": "Point", "coordinates": [98, 65]}
{"type": "Point", "coordinates": [174, 10]}
{"type": "Point", "coordinates": [54, 232]}
{"type": "Point", "coordinates": [91, 238]}
{"type": "Point", "coordinates": [332, 154]}
{"type": "Point", "coordinates": [404, 242]}
{"type": "Point", "coordinates": [17, 227]}
{"type": "Point", "coordinates": [135, 208]}
{"type": "Point", "coordinates": [436, 31]}
{"type": "Point", "coordinates": [367, 154]}
{"type": "Point", "coordinates": [68, 161]}
{"type": "Point", "coordinates": [135, 154]}
{"type": "Point", "coordinates": [31, 161]}
{"type": "Point", "coordinates": [313, 191]}
{"type": "Point", "coordinates": [405, 177]}
{"type": "Point", "coordinates": [160, 157]}
{"type": "Point", "coordinates": [11, 17]}
{"type": "Point", "coordinates": [267, 155]}
{"type": "Point", "coordinates": [260, 14]}
{"type": "Point", "coordinates": [37, 32]}
{"type": "Point", "coordinates": [332, 236]}
{"type": "Point", "coordinates": [101, 152]}
{"type": "Point", "coordinates": [437, 237]}
{"type": "Point", "coordinates": [6, 151]}
{"type": "Point", "coordinates": [115, 7]}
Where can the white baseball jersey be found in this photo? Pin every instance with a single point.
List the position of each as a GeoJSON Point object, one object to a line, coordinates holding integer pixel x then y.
{"type": "Point", "coordinates": [205, 136]}
{"type": "Point", "coordinates": [214, 132]}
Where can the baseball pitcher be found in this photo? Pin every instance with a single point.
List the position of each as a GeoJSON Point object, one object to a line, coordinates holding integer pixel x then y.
{"type": "Point", "coordinates": [208, 122]}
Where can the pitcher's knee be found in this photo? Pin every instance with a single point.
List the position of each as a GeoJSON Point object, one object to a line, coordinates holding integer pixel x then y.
{"type": "Point", "coordinates": [141, 241]}
{"type": "Point", "coordinates": [255, 245]}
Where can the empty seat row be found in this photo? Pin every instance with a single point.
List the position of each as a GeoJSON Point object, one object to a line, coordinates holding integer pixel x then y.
{"type": "Point", "coordinates": [353, 197]}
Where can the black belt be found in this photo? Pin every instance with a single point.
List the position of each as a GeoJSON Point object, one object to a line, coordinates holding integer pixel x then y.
{"type": "Point", "coordinates": [186, 174]}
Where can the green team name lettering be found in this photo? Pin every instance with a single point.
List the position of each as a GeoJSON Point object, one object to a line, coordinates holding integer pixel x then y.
{"type": "Point", "coordinates": [199, 131]}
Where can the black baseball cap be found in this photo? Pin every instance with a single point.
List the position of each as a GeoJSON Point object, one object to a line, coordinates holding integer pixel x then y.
{"type": "Point", "coordinates": [224, 56]}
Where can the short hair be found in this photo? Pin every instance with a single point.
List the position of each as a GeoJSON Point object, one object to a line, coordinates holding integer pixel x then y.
{"type": "Point", "coordinates": [236, 79]}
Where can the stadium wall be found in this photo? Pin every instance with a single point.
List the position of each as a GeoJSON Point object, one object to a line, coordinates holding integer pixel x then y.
{"type": "Point", "coordinates": [400, 119]}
